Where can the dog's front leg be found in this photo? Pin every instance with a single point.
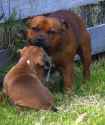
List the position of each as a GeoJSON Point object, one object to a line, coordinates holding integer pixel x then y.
{"type": "Point", "coordinates": [68, 74]}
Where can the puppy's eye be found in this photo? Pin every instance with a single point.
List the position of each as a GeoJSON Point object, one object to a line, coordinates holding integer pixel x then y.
{"type": "Point", "coordinates": [36, 29]}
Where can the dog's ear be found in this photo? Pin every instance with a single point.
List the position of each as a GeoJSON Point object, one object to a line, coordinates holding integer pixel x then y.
{"type": "Point", "coordinates": [18, 52]}
{"type": "Point", "coordinates": [21, 34]}
{"type": "Point", "coordinates": [40, 63]}
{"type": "Point", "coordinates": [40, 59]}
{"type": "Point", "coordinates": [21, 51]}
{"type": "Point", "coordinates": [28, 22]}
{"type": "Point", "coordinates": [64, 24]}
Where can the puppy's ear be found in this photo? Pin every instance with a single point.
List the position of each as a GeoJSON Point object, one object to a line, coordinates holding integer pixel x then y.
{"type": "Point", "coordinates": [40, 63]}
{"type": "Point", "coordinates": [19, 50]}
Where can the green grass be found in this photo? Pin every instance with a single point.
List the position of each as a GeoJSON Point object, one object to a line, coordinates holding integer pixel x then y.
{"type": "Point", "coordinates": [84, 106]}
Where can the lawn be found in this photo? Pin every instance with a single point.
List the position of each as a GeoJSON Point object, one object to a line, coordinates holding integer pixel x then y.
{"type": "Point", "coordinates": [84, 106]}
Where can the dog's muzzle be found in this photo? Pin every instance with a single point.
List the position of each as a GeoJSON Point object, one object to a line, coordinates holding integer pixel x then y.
{"type": "Point", "coordinates": [40, 42]}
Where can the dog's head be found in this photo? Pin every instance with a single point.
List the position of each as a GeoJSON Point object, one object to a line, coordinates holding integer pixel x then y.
{"type": "Point", "coordinates": [36, 58]}
{"type": "Point", "coordinates": [35, 55]}
{"type": "Point", "coordinates": [45, 31]}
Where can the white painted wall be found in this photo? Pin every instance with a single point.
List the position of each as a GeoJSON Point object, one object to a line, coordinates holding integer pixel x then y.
{"type": "Point", "coordinates": [26, 8]}
{"type": "Point", "coordinates": [98, 38]}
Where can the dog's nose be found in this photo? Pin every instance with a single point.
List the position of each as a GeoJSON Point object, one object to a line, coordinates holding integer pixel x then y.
{"type": "Point", "coordinates": [39, 39]}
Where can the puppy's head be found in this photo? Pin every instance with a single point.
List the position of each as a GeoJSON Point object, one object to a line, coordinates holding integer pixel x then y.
{"type": "Point", "coordinates": [36, 58]}
{"type": "Point", "coordinates": [45, 31]}
{"type": "Point", "coordinates": [34, 55]}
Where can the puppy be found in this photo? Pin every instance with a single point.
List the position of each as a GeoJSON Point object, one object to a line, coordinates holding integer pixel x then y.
{"type": "Point", "coordinates": [23, 82]}
{"type": "Point", "coordinates": [63, 35]}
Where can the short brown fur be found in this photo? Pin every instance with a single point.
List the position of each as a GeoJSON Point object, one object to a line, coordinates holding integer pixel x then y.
{"type": "Point", "coordinates": [65, 35]}
{"type": "Point", "coordinates": [23, 82]}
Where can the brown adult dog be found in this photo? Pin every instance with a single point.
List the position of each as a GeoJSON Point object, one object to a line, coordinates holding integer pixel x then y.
{"type": "Point", "coordinates": [22, 83]}
{"type": "Point", "coordinates": [63, 34]}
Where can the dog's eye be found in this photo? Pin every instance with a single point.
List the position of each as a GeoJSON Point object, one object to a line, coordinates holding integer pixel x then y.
{"type": "Point", "coordinates": [52, 32]}
{"type": "Point", "coordinates": [36, 29]}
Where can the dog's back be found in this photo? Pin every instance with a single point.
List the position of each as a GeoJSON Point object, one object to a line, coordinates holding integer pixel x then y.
{"type": "Point", "coordinates": [24, 87]}
{"type": "Point", "coordinates": [71, 20]}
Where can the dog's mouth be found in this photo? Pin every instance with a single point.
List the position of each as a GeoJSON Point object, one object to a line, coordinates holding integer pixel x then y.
{"type": "Point", "coordinates": [40, 43]}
